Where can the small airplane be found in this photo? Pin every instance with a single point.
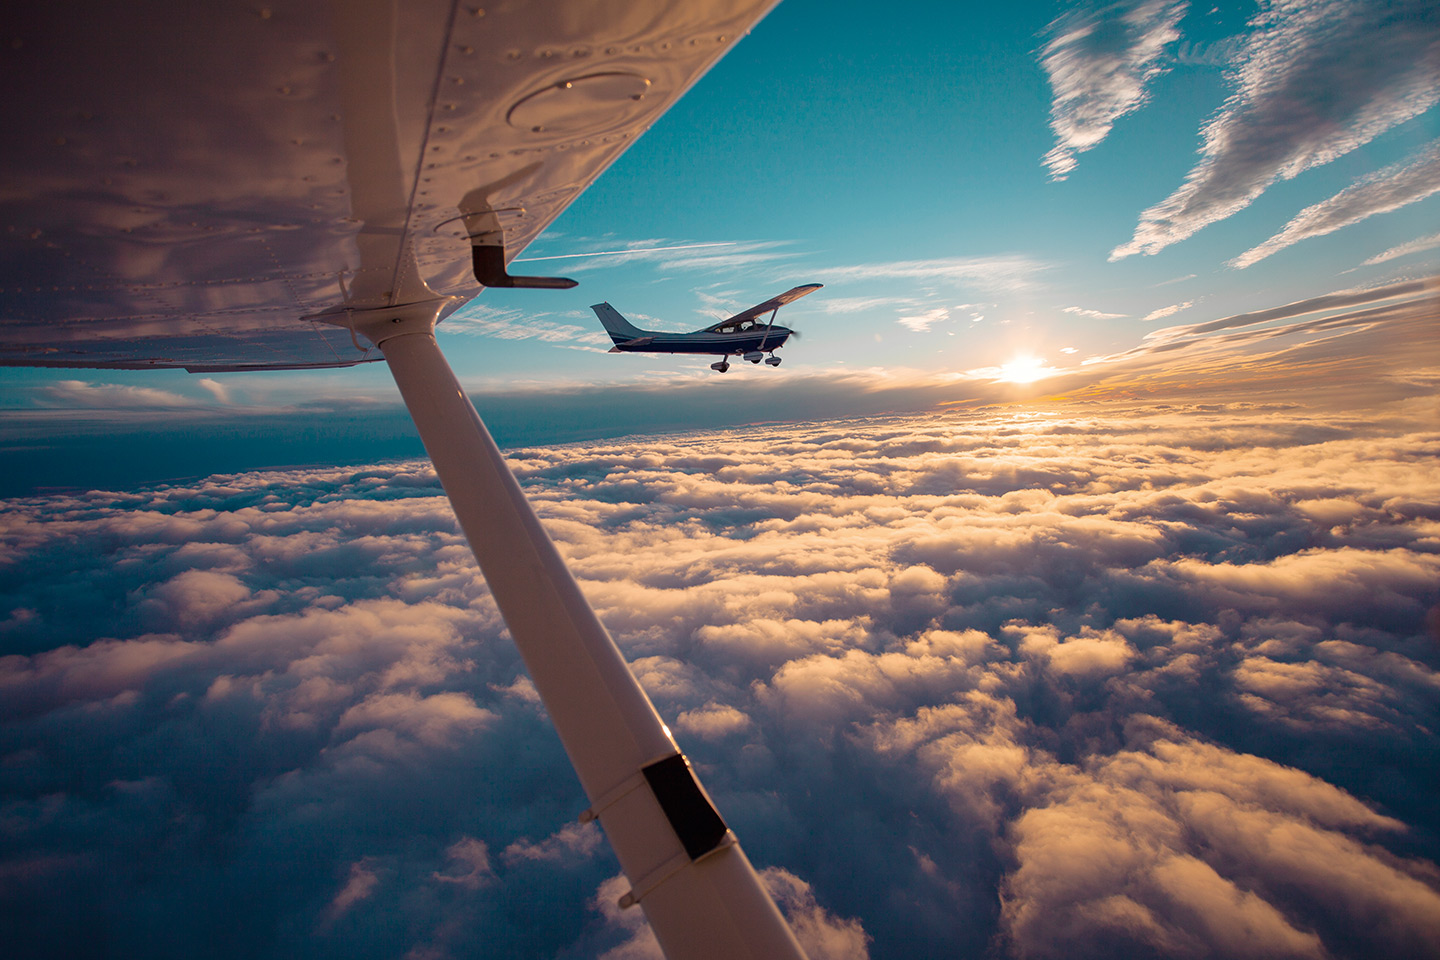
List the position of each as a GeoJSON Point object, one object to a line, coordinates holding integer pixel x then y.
{"type": "Point", "coordinates": [743, 335]}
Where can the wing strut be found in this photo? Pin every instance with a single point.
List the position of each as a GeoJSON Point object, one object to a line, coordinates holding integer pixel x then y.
{"type": "Point", "coordinates": [687, 871]}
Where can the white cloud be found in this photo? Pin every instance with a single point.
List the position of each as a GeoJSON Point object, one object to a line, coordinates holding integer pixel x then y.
{"type": "Point", "coordinates": [634, 251]}
{"type": "Point", "coordinates": [574, 841]}
{"type": "Point", "coordinates": [1389, 189]}
{"type": "Point", "coordinates": [104, 396]}
{"type": "Point", "coordinates": [1306, 93]}
{"type": "Point", "coordinates": [1216, 53]}
{"type": "Point", "coordinates": [822, 935]}
{"type": "Point", "coordinates": [1191, 850]}
{"type": "Point", "coordinates": [921, 322]}
{"type": "Point", "coordinates": [469, 864]}
{"type": "Point", "coordinates": [999, 274]}
{"type": "Point", "coordinates": [1160, 313]}
{"type": "Point", "coordinates": [1418, 245]}
{"type": "Point", "coordinates": [1092, 314]}
{"type": "Point", "coordinates": [480, 319]}
{"type": "Point", "coordinates": [216, 389]}
{"type": "Point", "coordinates": [359, 886]}
{"type": "Point", "coordinates": [714, 721]}
{"type": "Point", "coordinates": [858, 304]}
{"type": "Point", "coordinates": [1338, 300]}
{"type": "Point", "coordinates": [668, 255]}
{"type": "Point", "coordinates": [1100, 62]}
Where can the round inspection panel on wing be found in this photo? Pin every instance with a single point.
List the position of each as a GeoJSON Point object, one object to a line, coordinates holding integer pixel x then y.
{"type": "Point", "coordinates": [591, 104]}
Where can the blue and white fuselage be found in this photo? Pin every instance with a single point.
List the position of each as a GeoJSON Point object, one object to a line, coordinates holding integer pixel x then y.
{"type": "Point", "coordinates": [747, 334]}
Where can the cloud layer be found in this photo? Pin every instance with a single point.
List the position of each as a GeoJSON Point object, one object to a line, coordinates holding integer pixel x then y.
{"type": "Point", "coordinates": [1087, 680]}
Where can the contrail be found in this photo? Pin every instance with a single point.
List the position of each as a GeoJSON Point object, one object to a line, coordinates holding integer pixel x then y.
{"type": "Point", "coordinates": [613, 253]}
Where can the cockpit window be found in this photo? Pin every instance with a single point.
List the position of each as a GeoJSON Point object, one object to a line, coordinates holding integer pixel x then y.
{"type": "Point", "coordinates": [744, 326]}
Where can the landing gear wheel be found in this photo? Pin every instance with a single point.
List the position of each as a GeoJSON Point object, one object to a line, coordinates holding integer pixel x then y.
{"type": "Point", "coordinates": [772, 360]}
{"type": "Point", "coordinates": [720, 366]}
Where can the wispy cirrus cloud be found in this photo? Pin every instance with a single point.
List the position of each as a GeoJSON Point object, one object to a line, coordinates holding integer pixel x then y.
{"type": "Point", "coordinates": [1339, 300]}
{"type": "Point", "coordinates": [1384, 190]}
{"type": "Point", "coordinates": [667, 254]}
{"type": "Point", "coordinates": [1390, 340]}
{"type": "Point", "coordinates": [1307, 91]}
{"type": "Point", "coordinates": [923, 321]}
{"type": "Point", "coordinates": [628, 251]}
{"type": "Point", "coordinates": [1215, 53]}
{"type": "Point", "coordinates": [857, 304]}
{"type": "Point", "coordinates": [1418, 245]}
{"type": "Point", "coordinates": [1000, 274]}
{"type": "Point", "coordinates": [1160, 313]}
{"type": "Point", "coordinates": [914, 314]}
{"type": "Point", "coordinates": [1091, 314]}
{"type": "Point", "coordinates": [1100, 61]}
{"type": "Point", "coordinates": [479, 319]}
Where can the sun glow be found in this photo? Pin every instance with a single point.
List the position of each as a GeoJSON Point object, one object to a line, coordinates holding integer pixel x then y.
{"type": "Point", "coordinates": [1024, 368]}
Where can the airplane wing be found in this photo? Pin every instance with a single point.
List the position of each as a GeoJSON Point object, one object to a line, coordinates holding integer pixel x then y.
{"type": "Point", "coordinates": [193, 184]}
{"type": "Point", "coordinates": [257, 186]}
{"type": "Point", "coordinates": [769, 306]}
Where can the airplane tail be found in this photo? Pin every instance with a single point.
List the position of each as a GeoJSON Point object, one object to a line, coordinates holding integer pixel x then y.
{"type": "Point", "coordinates": [620, 329]}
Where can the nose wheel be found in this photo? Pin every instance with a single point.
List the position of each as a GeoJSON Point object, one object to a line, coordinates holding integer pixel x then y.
{"type": "Point", "coordinates": [772, 361]}
{"type": "Point", "coordinates": [721, 365]}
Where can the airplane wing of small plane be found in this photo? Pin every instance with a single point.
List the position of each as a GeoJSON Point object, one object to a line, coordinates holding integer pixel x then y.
{"type": "Point", "coordinates": [771, 306]}
{"type": "Point", "coordinates": [743, 335]}
{"type": "Point", "coordinates": [304, 183]}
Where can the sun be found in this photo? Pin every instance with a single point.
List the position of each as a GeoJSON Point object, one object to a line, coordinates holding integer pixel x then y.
{"type": "Point", "coordinates": [1024, 368]}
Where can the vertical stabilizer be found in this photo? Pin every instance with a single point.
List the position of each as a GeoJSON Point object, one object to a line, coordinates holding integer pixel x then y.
{"type": "Point", "coordinates": [620, 329]}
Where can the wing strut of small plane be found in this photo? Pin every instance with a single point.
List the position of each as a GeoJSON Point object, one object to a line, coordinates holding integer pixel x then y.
{"type": "Point", "coordinates": [686, 869]}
